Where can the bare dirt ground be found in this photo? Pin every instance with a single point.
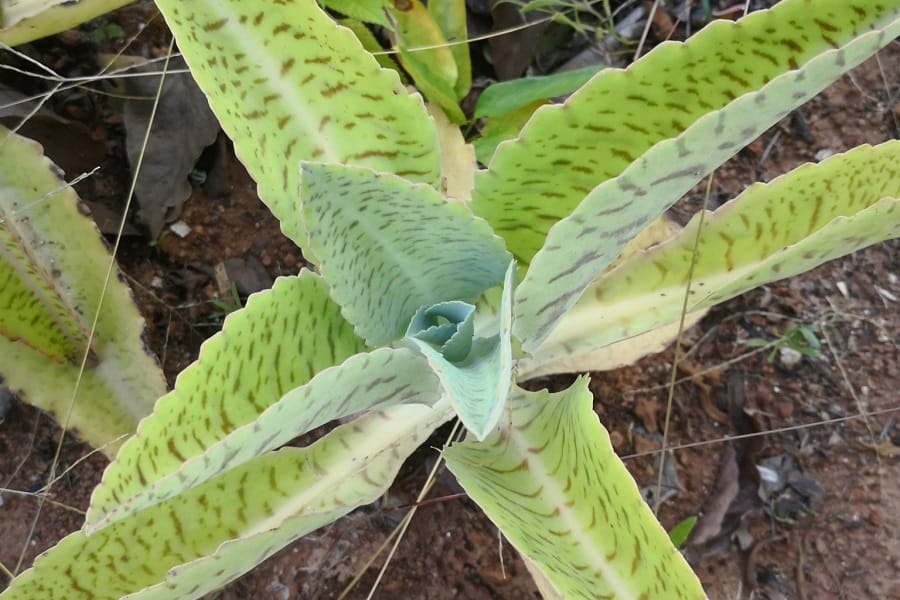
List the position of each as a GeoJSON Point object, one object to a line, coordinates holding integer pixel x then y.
{"type": "Point", "coordinates": [790, 462]}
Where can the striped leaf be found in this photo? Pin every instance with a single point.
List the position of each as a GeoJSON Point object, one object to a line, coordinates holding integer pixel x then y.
{"type": "Point", "coordinates": [566, 151]}
{"type": "Point", "coordinates": [389, 247]}
{"type": "Point", "coordinates": [278, 342]}
{"type": "Point", "coordinates": [53, 266]}
{"type": "Point", "coordinates": [288, 84]}
{"type": "Point", "coordinates": [366, 381]}
{"type": "Point", "coordinates": [573, 352]}
{"type": "Point", "coordinates": [552, 483]}
{"type": "Point", "coordinates": [582, 245]}
{"type": "Point", "coordinates": [796, 222]}
{"type": "Point", "coordinates": [194, 543]}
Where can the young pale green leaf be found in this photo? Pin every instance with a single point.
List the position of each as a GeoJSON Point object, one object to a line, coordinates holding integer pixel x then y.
{"type": "Point", "coordinates": [552, 483]}
{"type": "Point", "coordinates": [507, 96]}
{"type": "Point", "coordinates": [22, 21]}
{"type": "Point", "coordinates": [476, 377]}
{"type": "Point", "coordinates": [433, 69]}
{"type": "Point", "coordinates": [582, 245]}
{"type": "Point", "coordinates": [53, 265]}
{"type": "Point", "coordinates": [796, 222]}
{"type": "Point", "coordinates": [565, 151]}
{"type": "Point", "coordinates": [278, 342]}
{"type": "Point", "coordinates": [365, 381]}
{"type": "Point", "coordinates": [194, 543]}
{"type": "Point", "coordinates": [288, 84]}
{"type": "Point", "coordinates": [447, 327]}
{"type": "Point", "coordinates": [389, 247]}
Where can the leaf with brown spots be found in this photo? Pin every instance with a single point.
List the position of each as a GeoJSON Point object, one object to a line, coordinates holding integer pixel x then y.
{"type": "Point", "coordinates": [53, 268]}
{"type": "Point", "coordinates": [550, 480]}
{"type": "Point", "coordinates": [276, 343]}
{"type": "Point", "coordinates": [582, 245]}
{"type": "Point", "coordinates": [196, 542]}
{"type": "Point", "coordinates": [796, 222]}
{"type": "Point", "coordinates": [366, 381]}
{"type": "Point", "coordinates": [565, 151]}
{"type": "Point", "coordinates": [389, 247]}
{"type": "Point", "coordinates": [572, 347]}
{"type": "Point", "coordinates": [289, 84]}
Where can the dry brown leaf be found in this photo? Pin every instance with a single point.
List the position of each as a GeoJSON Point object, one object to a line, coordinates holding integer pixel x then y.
{"type": "Point", "coordinates": [183, 126]}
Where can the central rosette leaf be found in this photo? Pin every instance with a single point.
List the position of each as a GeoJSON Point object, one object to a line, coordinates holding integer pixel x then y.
{"type": "Point", "coordinates": [475, 372]}
{"type": "Point", "coordinates": [447, 327]}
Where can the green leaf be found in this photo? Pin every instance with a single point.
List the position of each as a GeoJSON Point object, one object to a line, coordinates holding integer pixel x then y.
{"type": "Point", "coordinates": [450, 15]}
{"type": "Point", "coordinates": [372, 45]}
{"type": "Point", "coordinates": [278, 342]}
{"type": "Point", "coordinates": [425, 54]}
{"type": "Point", "coordinates": [389, 247]}
{"type": "Point", "coordinates": [566, 151]}
{"type": "Point", "coordinates": [476, 373]}
{"type": "Point", "coordinates": [796, 222]}
{"type": "Point", "coordinates": [550, 480]}
{"type": "Point", "coordinates": [581, 246]}
{"type": "Point", "coordinates": [194, 543]}
{"type": "Point", "coordinates": [288, 84]}
{"type": "Point", "coordinates": [682, 530]}
{"type": "Point", "coordinates": [23, 21]}
{"type": "Point", "coordinates": [507, 96]}
{"type": "Point", "coordinates": [53, 268]}
{"type": "Point", "coordinates": [368, 11]}
{"type": "Point", "coordinates": [364, 381]}
{"type": "Point", "coordinates": [501, 128]}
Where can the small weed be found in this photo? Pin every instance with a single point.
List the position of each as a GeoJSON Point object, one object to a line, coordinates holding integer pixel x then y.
{"type": "Point", "coordinates": [800, 338]}
{"type": "Point", "coordinates": [226, 306]}
{"type": "Point", "coordinates": [106, 33]}
{"type": "Point", "coordinates": [154, 243]}
{"type": "Point", "coordinates": [682, 531]}
{"type": "Point", "coordinates": [571, 12]}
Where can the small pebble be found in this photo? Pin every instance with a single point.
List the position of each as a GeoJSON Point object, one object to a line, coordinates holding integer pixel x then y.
{"type": "Point", "coordinates": [180, 228]}
{"type": "Point", "coordinates": [843, 289]}
{"type": "Point", "coordinates": [823, 154]}
{"type": "Point", "coordinates": [789, 357]}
